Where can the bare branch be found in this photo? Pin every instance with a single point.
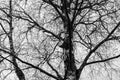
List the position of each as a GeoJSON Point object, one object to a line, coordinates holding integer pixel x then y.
{"type": "Point", "coordinates": [104, 60]}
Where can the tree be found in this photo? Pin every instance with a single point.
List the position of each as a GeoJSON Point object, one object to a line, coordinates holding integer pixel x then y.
{"type": "Point", "coordinates": [60, 38]}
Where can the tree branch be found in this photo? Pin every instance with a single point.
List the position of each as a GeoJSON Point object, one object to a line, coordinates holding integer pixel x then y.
{"type": "Point", "coordinates": [104, 60]}
{"type": "Point", "coordinates": [41, 70]}
{"type": "Point", "coordinates": [95, 48]}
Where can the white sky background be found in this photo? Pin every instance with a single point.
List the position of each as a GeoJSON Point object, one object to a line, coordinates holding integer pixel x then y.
{"type": "Point", "coordinates": [19, 40]}
{"type": "Point", "coordinates": [98, 73]}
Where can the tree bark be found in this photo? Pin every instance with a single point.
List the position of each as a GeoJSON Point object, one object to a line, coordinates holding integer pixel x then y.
{"type": "Point", "coordinates": [69, 61]}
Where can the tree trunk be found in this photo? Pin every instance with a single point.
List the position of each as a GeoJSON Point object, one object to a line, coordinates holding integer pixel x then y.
{"type": "Point", "coordinates": [69, 60]}
{"type": "Point", "coordinates": [70, 69]}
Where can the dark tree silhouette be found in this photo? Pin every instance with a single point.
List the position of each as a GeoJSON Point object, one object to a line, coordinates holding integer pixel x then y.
{"type": "Point", "coordinates": [65, 37]}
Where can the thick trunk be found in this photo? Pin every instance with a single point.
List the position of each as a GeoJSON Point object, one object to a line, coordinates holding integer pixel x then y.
{"type": "Point", "coordinates": [70, 69]}
{"type": "Point", "coordinates": [69, 60]}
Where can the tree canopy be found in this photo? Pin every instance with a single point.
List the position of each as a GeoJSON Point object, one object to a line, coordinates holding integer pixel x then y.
{"type": "Point", "coordinates": [59, 39]}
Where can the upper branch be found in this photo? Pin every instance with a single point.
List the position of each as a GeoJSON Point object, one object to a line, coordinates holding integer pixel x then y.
{"type": "Point", "coordinates": [98, 45]}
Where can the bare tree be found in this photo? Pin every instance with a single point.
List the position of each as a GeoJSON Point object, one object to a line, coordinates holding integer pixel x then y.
{"type": "Point", "coordinates": [60, 38]}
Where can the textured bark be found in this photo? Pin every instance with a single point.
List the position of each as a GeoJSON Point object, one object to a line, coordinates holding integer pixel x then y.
{"type": "Point", "coordinates": [69, 61]}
